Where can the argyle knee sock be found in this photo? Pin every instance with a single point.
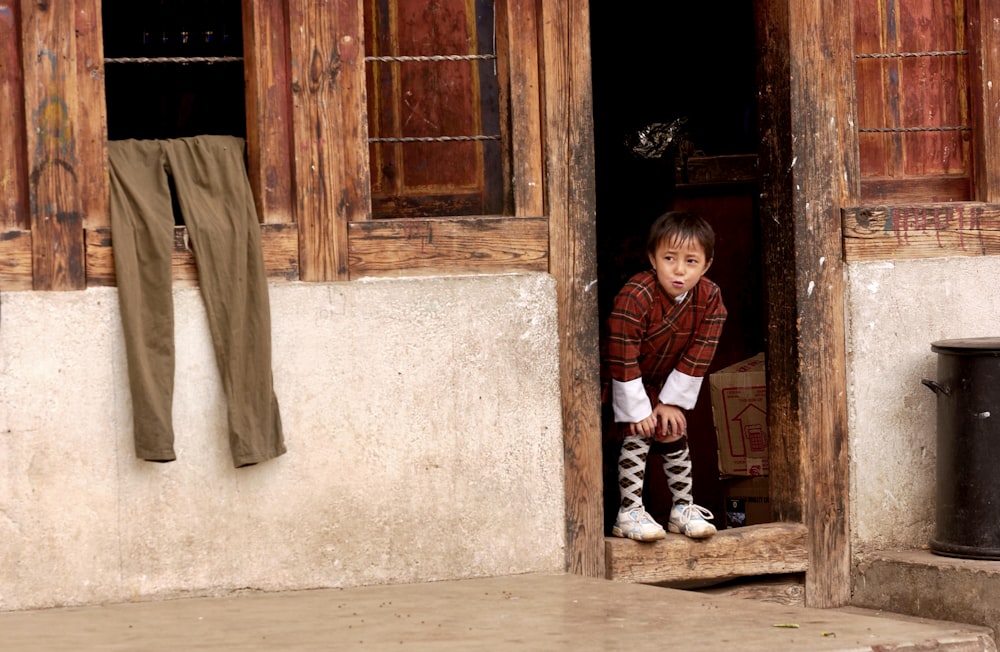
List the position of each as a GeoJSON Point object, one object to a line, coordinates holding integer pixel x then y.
{"type": "Point", "coordinates": [677, 467]}
{"type": "Point", "coordinates": [632, 470]}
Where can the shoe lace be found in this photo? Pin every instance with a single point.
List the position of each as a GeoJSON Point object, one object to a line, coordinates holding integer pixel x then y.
{"type": "Point", "coordinates": [691, 512]}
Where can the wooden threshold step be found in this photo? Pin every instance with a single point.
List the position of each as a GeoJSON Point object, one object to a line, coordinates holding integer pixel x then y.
{"type": "Point", "coordinates": [677, 561]}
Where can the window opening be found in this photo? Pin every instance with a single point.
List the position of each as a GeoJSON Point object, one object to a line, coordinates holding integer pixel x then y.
{"type": "Point", "coordinates": [433, 108]}
{"type": "Point", "coordinates": [174, 68]}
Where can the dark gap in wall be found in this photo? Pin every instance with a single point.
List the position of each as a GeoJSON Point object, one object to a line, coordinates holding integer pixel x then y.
{"type": "Point", "coordinates": [173, 99]}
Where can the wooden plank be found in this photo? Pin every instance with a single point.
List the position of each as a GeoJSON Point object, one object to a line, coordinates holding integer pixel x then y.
{"type": "Point", "coordinates": [50, 88]}
{"type": "Point", "coordinates": [809, 168]}
{"type": "Point", "coordinates": [448, 246]}
{"type": "Point", "coordinates": [767, 549]}
{"type": "Point", "coordinates": [329, 131]}
{"type": "Point", "coordinates": [777, 201]}
{"type": "Point", "coordinates": [13, 155]}
{"type": "Point", "coordinates": [517, 20]}
{"type": "Point", "coordinates": [787, 589]}
{"type": "Point", "coordinates": [984, 70]}
{"type": "Point", "coordinates": [913, 190]}
{"type": "Point", "coordinates": [724, 169]}
{"type": "Point", "coordinates": [269, 109]}
{"type": "Point", "coordinates": [279, 244]}
{"type": "Point", "coordinates": [15, 260]}
{"type": "Point", "coordinates": [921, 231]}
{"type": "Point", "coordinates": [90, 115]}
{"type": "Point", "coordinates": [876, 81]}
{"type": "Point", "coordinates": [571, 201]}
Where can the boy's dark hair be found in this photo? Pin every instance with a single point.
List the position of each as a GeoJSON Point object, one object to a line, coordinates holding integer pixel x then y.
{"type": "Point", "coordinates": [680, 226]}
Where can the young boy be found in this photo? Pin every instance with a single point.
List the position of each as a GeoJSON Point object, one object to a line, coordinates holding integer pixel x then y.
{"type": "Point", "coordinates": [662, 335]}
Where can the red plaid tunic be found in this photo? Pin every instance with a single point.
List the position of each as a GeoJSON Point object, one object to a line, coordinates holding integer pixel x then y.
{"type": "Point", "coordinates": [650, 335]}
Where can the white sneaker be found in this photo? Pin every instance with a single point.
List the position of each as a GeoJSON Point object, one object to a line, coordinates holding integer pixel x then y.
{"type": "Point", "coordinates": [689, 520]}
{"type": "Point", "coordinates": [636, 524]}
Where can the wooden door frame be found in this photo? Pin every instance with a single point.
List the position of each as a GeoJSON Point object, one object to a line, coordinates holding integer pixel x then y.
{"type": "Point", "coordinates": [808, 167]}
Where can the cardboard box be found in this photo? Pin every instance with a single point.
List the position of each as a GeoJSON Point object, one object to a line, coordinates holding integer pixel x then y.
{"type": "Point", "coordinates": [739, 410]}
{"type": "Point", "coordinates": [747, 500]}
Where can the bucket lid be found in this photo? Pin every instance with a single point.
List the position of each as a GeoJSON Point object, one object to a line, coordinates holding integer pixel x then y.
{"type": "Point", "coordinates": [967, 346]}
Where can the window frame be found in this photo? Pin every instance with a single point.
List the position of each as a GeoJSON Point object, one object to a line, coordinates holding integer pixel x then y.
{"type": "Point", "coordinates": [906, 230]}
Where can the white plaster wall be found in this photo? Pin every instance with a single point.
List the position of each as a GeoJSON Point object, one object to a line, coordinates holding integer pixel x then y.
{"type": "Point", "coordinates": [895, 311]}
{"type": "Point", "coordinates": [423, 425]}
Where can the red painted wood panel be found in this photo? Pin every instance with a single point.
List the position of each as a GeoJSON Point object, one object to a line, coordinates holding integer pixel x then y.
{"type": "Point", "coordinates": [909, 92]}
{"type": "Point", "coordinates": [431, 99]}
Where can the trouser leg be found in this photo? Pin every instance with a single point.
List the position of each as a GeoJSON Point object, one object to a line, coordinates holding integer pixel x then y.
{"type": "Point", "coordinates": [221, 220]}
{"type": "Point", "coordinates": [142, 232]}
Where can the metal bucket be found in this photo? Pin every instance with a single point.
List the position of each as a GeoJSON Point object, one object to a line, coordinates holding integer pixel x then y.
{"type": "Point", "coordinates": [968, 448]}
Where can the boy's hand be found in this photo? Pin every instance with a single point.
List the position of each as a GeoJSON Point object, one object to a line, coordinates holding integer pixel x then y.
{"type": "Point", "coordinates": [672, 424]}
{"type": "Point", "coordinates": [645, 428]}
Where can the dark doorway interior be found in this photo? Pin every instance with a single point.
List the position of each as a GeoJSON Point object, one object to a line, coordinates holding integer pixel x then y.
{"type": "Point", "coordinates": [664, 63]}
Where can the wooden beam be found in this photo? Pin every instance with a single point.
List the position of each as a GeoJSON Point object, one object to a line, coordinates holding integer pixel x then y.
{"type": "Point", "coordinates": [921, 231]}
{"type": "Point", "coordinates": [448, 246]}
{"type": "Point", "coordinates": [89, 115]}
{"type": "Point", "coordinates": [517, 27]}
{"type": "Point", "coordinates": [330, 131]}
{"type": "Point", "coordinates": [768, 549]}
{"type": "Point", "coordinates": [15, 260]}
{"type": "Point", "coordinates": [60, 145]}
{"type": "Point", "coordinates": [571, 198]}
{"type": "Point", "coordinates": [909, 190]}
{"type": "Point", "coordinates": [279, 244]}
{"type": "Point", "coordinates": [984, 70]}
{"type": "Point", "coordinates": [809, 169]}
{"type": "Point", "coordinates": [269, 109]}
{"type": "Point", "coordinates": [13, 155]}
{"type": "Point", "coordinates": [725, 169]}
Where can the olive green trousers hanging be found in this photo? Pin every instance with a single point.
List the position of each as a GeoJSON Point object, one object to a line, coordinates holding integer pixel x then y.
{"type": "Point", "coordinates": [218, 211]}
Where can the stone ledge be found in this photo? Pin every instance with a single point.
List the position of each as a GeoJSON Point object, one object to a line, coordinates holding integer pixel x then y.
{"type": "Point", "coordinates": [920, 583]}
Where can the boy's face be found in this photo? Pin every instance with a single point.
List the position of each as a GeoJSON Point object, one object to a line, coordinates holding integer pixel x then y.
{"type": "Point", "coordinates": [679, 265]}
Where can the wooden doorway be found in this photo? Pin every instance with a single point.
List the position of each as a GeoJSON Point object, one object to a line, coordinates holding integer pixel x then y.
{"type": "Point", "coordinates": [690, 67]}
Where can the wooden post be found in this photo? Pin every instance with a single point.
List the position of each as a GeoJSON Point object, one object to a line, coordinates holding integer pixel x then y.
{"type": "Point", "coordinates": [569, 159]}
{"type": "Point", "coordinates": [57, 179]}
{"type": "Point", "coordinates": [13, 173]}
{"type": "Point", "coordinates": [269, 121]}
{"type": "Point", "coordinates": [984, 68]}
{"type": "Point", "coordinates": [518, 29]}
{"type": "Point", "coordinates": [808, 171]}
{"type": "Point", "coordinates": [330, 131]}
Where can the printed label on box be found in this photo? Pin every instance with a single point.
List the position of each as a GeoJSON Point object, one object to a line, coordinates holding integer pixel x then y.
{"type": "Point", "coordinates": [739, 409]}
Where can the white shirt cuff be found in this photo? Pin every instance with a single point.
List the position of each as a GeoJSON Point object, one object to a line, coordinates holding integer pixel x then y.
{"type": "Point", "coordinates": [629, 400]}
{"type": "Point", "coordinates": [681, 390]}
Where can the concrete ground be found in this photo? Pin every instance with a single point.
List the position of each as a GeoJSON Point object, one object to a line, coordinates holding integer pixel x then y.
{"type": "Point", "coordinates": [524, 612]}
